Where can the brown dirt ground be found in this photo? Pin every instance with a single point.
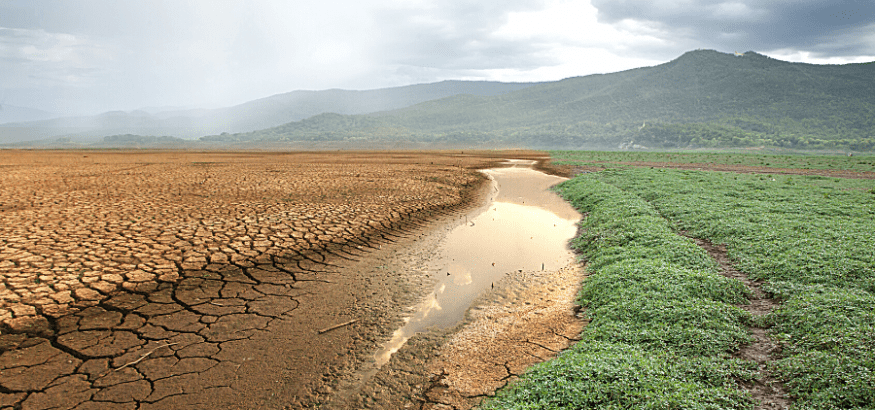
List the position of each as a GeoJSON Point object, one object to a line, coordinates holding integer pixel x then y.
{"type": "Point", "coordinates": [176, 279]}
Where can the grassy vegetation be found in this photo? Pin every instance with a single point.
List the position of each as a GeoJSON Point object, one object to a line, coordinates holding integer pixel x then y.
{"type": "Point", "coordinates": [605, 159]}
{"type": "Point", "coordinates": [603, 375]}
{"type": "Point", "coordinates": [813, 240]}
{"type": "Point", "coordinates": [654, 298]}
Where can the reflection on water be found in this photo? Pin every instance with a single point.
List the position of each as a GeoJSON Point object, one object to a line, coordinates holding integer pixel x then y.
{"type": "Point", "coordinates": [526, 227]}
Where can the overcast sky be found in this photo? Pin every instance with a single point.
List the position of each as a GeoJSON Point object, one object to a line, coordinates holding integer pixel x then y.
{"type": "Point", "coordinates": [89, 56]}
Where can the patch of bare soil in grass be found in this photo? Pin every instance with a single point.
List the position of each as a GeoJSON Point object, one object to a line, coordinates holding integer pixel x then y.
{"type": "Point", "coordinates": [767, 390]}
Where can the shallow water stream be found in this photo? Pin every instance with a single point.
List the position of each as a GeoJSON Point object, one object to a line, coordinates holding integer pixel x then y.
{"type": "Point", "coordinates": [524, 227]}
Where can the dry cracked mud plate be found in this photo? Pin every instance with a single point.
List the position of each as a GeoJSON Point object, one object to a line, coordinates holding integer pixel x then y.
{"type": "Point", "coordinates": [192, 280]}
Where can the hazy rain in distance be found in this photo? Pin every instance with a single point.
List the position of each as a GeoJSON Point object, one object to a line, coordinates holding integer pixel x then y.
{"type": "Point", "coordinates": [91, 56]}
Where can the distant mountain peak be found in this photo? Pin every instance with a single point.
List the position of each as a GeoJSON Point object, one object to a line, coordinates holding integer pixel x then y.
{"type": "Point", "coordinates": [702, 53]}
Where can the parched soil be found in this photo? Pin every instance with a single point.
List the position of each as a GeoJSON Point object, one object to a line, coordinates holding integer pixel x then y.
{"type": "Point", "coordinates": [192, 280]}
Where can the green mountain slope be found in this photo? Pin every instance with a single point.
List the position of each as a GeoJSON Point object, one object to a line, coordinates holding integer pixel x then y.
{"type": "Point", "coordinates": [703, 98]}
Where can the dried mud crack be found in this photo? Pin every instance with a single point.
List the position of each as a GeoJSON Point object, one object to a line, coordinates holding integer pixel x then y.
{"type": "Point", "coordinates": [178, 280]}
{"type": "Point", "coordinates": [768, 391]}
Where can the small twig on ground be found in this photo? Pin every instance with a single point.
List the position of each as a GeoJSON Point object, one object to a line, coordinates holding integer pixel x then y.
{"type": "Point", "coordinates": [241, 363]}
{"type": "Point", "coordinates": [328, 329]}
{"type": "Point", "coordinates": [144, 356]}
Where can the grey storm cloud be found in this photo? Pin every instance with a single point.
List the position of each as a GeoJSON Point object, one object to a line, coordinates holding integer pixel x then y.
{"type": "Point", "coordinates": [459, 36]}
{"type": "Point", "coordinates": [97, 55]}
{"type": "Point", "coordinates": [823, 27]}
{"type": "Point", "coordinates": [204, 50]}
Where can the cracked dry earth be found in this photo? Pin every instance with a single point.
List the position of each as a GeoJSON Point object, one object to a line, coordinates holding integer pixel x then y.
{"type": "Point", "coordinates": [174, 280]}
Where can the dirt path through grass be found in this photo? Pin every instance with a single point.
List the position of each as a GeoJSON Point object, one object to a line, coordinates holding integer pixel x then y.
{"type": "Point", "coordinates": [768, 391]}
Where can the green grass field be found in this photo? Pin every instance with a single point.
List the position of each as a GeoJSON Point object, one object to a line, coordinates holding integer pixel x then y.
{"type": "Point", "coordinates": [803, 161]}
{"type": "Point", "coordinates": [663, 321]}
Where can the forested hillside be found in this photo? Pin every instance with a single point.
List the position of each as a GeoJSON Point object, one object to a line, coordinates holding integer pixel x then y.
{"type": "Point", "coordinates": [703, 98]}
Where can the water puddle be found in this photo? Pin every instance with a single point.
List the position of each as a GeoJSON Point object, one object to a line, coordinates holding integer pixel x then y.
{"type": "Point", "coordinates": [525, 227]}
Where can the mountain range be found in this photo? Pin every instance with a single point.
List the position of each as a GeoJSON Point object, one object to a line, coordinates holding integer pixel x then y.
{"type": "Point", "coordinates": [253, 115]}
{"type": "Point", "coordinates": [702, 99]}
